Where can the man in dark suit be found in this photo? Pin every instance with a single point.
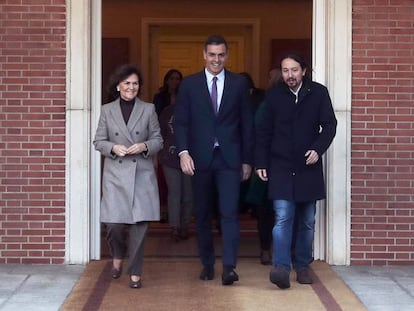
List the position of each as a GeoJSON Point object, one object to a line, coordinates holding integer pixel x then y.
{"type": "Point", "coordinates": [213, 124]}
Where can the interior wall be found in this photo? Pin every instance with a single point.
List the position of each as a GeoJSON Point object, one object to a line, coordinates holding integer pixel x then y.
{"type": "Point", "coordinates": [279, 19]}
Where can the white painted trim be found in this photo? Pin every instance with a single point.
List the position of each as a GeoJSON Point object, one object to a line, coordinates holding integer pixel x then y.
{"type": "Point", "coordinates": [332, 50]}
{"type": "Point", "coordinates": [95, 168]}
{"type": "Point", "coordinates": [319, 74]}
{"type": "Point", "coordinates": [77, 131]}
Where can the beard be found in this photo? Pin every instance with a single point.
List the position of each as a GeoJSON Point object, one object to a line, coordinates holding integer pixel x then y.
{"type": "Point", "coordinates": [292, 82]}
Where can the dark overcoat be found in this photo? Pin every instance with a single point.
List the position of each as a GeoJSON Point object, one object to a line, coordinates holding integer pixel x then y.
{"type": "Point", "coordinates": [286, 131]}
{"type": "Point", "coordinates": [129, 184]}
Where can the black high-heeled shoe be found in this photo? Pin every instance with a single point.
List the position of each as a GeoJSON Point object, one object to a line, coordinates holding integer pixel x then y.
{"type": "Point", "coordinates": [135, 284]}
{"type": "Point", "coordinates": [116, 273]}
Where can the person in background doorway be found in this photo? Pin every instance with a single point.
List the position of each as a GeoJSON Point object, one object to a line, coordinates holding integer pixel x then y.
{"type": "Point", "coordinates": [275, 77]}
{"type": "Point", "coordinates": [213, 129]}
{"type": "Point", "coordinates": [257, 95]}
{"type": "Point", "coordinates": [180, 196]}
{"type": "Point", "coordinates": [128, 136]}
{"type": "Point", "coordinates": [165, 97]}
{"type": "Point", "coordinates": [256, 194]}
{"type": "Point", "coordinates": [297, 126]}
{"type": "Point", "coordinates": [168, 91]}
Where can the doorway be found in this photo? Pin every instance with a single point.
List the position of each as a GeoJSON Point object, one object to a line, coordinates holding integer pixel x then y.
{"type": "Point", "coordinates": [166, 43]}
{"type": "Point", "coordinates": [178, 42]}
{"type": "Point", "coordinates": [331, 66]}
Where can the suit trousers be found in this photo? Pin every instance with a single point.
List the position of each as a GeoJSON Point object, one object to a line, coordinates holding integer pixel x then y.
{"type": "Point", "coordinates": [225, 181]}
{"type": "Point", "coordinates": [117, 240]}
{"type": "Point", "coordinates": [265, 222]}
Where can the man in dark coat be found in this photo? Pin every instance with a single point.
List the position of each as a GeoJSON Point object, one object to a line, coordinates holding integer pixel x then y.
{"type": "Point", "coordinates": [297, 127]}
{"type": "Point", "coordinates": [215, 146]}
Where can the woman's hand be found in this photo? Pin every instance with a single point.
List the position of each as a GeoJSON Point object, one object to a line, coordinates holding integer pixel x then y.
{"type": "Point", "coordinates": [137, 148]}
{"type": "Point", "coordinates": [119, 150]}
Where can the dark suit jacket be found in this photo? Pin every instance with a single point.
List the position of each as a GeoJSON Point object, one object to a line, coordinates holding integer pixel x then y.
{"type": "Point", "coordinates": [196, 125]}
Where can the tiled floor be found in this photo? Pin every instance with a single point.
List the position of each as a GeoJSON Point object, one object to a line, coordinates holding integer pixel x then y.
{"type": "Point", "coordinates": [381, 288]}
{"type": "Point", "coordinates": [36, 287]}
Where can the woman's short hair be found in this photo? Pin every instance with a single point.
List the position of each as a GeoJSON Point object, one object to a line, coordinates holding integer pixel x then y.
{"type": "Point", "coordinates": [121, 73]}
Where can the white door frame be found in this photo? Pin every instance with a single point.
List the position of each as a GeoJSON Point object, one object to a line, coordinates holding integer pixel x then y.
{"type": "Point", "coordinates": [332, 66]}
{"type": "Point", "coordinates": [332, 42]}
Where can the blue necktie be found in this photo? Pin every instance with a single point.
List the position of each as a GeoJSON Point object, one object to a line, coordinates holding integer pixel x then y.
{"type": "Point", "coordinates": [214, 94]}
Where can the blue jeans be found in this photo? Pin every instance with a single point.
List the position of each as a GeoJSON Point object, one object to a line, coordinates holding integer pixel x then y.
{"type": "Point", "coordinates": [294, 228]}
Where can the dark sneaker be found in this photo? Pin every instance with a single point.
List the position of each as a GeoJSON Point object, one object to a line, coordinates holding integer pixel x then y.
{"type": "Point", "coordinates": [280, 276]}
{"type": "Point", "coordinates": [303, 276]}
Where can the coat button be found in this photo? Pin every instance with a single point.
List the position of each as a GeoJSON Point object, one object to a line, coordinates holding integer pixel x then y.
{"type": "Point", "coordinates": [137, 133]}
{"type": "Point", "coordinates": [116, 134]}
{"type": "Point", "coordinates": [135, 160]}
{"type": "Point", "coordinates": [120, 161]}
{"type": "Point", "coordinates": [293, 174]}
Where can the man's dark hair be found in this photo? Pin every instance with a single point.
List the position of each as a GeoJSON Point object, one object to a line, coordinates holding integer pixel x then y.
{"type": "Point", "coordinates": [296, 57]}
{"type": "Point", "coordinates": [300, 59]}
{"type": "Point", "coordinates": [215, 40]}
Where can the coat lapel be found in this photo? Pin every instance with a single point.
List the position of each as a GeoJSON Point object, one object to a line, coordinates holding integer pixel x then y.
{"type": "Point", "coordinates": [205, 93]}
{"type": "Point", "coordinates": [136, 114]}
{"type": "Point", "coordinates": [119, 120]}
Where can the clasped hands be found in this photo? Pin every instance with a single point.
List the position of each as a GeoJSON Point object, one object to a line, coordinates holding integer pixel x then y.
{"type": "Point", "coordinates": [121, 150]}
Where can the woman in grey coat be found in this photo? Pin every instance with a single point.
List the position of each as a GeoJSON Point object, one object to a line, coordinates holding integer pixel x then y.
{"type": "Point", "coordinates": [128, 135]}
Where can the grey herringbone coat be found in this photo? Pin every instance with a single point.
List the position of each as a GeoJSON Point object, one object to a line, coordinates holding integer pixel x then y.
{"type": "Point", "coordinates": [129, 184]}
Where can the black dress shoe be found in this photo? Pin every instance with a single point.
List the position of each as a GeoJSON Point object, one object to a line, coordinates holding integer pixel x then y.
{"type": "Point", "coordinates": [265, 257]}
{"type": "Point", "coordinates": [175, 235]}
{"type": "Point", "coordinates": [184, 234]}
{"type": "Point", "coordinates": [229, 277]}
{"type": "Point", "coordinates": [116, 273]}
{"type": "Point", "coordinates": [135, 284]}
{"type": "Point", "coordinates": [207, 273]}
